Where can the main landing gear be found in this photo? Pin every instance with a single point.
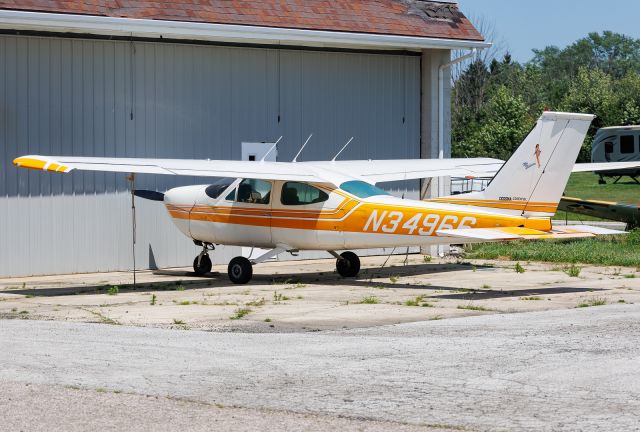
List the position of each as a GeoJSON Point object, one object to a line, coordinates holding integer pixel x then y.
{"type": "Point", "coordinates": [202, 263]}
{"type": "Point", "coordinates": [240, 269]}
{"type": "Point", "coordinates": [347, 263]}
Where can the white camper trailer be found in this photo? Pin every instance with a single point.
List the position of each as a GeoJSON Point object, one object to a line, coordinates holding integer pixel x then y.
{"type": "Point", "coordinates": [617, 144]}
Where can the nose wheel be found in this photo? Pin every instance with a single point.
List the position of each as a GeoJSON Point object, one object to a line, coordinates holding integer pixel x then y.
{"type": "Point", "coordinates": [240, 270]}
{"type": "Point", "coordinates": [348, 264]}
{"type": "Point", "coordinates": [202, 263]}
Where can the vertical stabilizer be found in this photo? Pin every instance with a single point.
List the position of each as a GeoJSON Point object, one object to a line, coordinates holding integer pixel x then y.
{"type": "Point", "coordinates": [532, 181]}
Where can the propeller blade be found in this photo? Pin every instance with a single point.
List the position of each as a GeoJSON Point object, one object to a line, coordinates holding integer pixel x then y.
{"type": "Point", "coordinates": [149, 194]}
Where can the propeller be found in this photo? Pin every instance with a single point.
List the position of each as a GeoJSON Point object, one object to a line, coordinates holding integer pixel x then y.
{"type": "Point", "coordinates": [149, 194]}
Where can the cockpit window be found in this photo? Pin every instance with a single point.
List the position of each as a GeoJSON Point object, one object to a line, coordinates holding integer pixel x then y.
{"type": "Point", "coordinates": [361, 189]}
{"type": "Point", "coordinates": [254, 191]}
{"type": "Point", "coordinates": [214, 190]}
{"type": "Point", "coordinates": [294, 193]}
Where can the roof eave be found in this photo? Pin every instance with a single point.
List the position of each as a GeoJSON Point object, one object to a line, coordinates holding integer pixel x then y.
{"type": "Point", "coordinates": [146, 28]}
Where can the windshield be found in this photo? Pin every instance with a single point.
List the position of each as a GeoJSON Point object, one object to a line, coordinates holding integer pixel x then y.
{"type": "Point", "coordinates": [218, 187]}
{"type": "Point", "coordinates": [361, 189]}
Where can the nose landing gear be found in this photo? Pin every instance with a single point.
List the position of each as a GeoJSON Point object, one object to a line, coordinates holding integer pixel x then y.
{"type": "Point", "coordinates": [202, 263]}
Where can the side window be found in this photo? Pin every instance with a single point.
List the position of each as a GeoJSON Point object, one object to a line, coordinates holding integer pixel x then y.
{"type": "Point", "coordinates": [253, 191]}
{"type": "Point", "coordinates": [608, 147]}
{"type": "Point", "coordinates": [294, 193]}
{"type": "Point", "coordinates": [627, 144]}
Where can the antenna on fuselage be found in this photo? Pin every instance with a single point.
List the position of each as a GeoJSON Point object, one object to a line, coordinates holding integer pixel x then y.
{"type": "Point", "coordinates": [270, 150]}
{"type": "Point", "coordinates": [295, 159]}
{"type": "Point", "coordinates": [341, 150]}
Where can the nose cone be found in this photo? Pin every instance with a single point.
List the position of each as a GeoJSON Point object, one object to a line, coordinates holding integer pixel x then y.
{"type": "Point", "coordinates": [179, 202]}
{"type": "Point", "coordinates": [183, 196]}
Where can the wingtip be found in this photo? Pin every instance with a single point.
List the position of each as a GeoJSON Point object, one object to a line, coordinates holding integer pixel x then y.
{"type": "Point", "coordinates": [40, 164]}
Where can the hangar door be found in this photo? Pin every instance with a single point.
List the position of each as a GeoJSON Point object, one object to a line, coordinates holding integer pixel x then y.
{"type": "Point", "coordinates": [64, 96]}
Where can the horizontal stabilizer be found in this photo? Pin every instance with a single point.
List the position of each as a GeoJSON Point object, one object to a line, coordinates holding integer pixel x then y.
{"type": "Point", "coordinates": [504, 234]}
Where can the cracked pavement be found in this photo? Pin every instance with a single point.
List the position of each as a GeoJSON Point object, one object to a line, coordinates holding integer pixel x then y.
{"type": "Point", "coordinates": [551, 370]}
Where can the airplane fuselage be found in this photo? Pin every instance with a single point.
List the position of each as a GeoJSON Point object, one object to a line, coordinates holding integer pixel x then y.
{"type": "Point", "coordinates": [335, 220]}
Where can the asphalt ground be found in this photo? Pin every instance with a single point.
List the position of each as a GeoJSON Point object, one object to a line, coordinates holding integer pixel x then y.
{"type": "Point", "coordinates": [573, 370]}
{"type": "Point", "coordinates": [310, 296]}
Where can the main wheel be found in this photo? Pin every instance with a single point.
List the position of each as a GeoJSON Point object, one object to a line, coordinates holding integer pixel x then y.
{"type": "Point", "coordinates": [240, 270]}
{"type": "Point", "coordinates": [349, 265]}
{"type": "Point", "coordinates": [202, 265]}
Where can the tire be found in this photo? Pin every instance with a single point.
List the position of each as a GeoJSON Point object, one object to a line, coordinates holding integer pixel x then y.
{"type": "Point", "coordinates": [203, 267]}
{"type": "Point", "coordinates": [349, 265]}
{"type": "Point", "coordinates": [240, 270]}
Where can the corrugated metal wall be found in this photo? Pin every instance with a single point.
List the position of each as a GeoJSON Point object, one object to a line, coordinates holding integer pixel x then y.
{"type": "Point", "coordinates": [114, 98]}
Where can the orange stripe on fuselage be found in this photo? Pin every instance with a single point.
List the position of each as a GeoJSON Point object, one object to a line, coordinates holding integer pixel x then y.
{"type": "Point", "coordinates": [350, 218]}
{"type": "Point", "coordinates": [506, 205]}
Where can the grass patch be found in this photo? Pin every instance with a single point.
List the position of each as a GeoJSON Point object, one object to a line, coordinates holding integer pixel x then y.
{"type": "Point", "coordinates": [113, 290]}
{"type": "Point", "coordinates": [630, 276]}
{"type": "Point", "coordinates": [240, 313]}
{"type": "Point", "coordinates": [485, 286]}
{"type": "Point", "coordinates": [267, 320]}
{"type": "Point", "coordinates": [585, 186]}
{"type": "Point", "coordinates": [531, 298]}
{"type": "Point", "coordinates": [572, 270]}
{"type": "Point", "coordinates": [178, 322]}
{"type": "Point", "coordinates": [153, 300]}
{"type": "Point", "coordinates": [595, 301]}
{"type": "Point", "coordinates": [418, 301]}
{"type": "Point", "coordinates": [394, 278]}
{"type": "Point", "coordinates": [187, 303]}
{"type": "Point", "coordinates": [473, 307]}
{"type": "Point", "coordinates": [370, 300]}
{"type": "Point", "coordinates": [518, 268]}
{"type": "Point", "coordinates": [256, 302]}
{"type": "Point", "coordinates": [427, 259]}
{"type": "Point", "coordinates": [278, 297]}
{"type": "Point", "coordinates": [603, 250]}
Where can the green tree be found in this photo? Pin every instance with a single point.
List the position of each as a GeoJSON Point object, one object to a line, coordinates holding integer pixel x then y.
{"type": "Point", "coordinates": [505, 122]}
{"type": "Point", "coordinates": [496, 102]}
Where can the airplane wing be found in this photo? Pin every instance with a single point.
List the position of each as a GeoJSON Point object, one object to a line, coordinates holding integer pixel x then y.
{"type": "Point", "coordinates": [376, 171]}
{"type": "Point", "coordinates": [335, 172]}
{"type": "Point", "coordinates": [515, 233]}
{"type": "Point", "coordinates": [604, 166]}
{"type": "Point", "coordinates": [184, 167]}
{"type": "Point", "coordinates": [331, 172]}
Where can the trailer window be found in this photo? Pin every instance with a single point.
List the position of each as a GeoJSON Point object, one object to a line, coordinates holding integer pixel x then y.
{"type": "Point", "coordinates": [627, 144]}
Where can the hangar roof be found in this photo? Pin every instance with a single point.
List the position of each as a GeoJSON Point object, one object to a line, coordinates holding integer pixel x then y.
{"type": "Point", "coordinates": [404, 18]}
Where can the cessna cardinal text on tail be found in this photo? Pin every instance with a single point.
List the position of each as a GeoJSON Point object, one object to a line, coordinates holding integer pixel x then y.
{"type": "Point", "coordinates": [336, 206]}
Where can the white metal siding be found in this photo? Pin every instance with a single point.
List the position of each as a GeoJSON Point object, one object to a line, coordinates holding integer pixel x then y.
{"type": "Point", "coordinates": [143, 99]}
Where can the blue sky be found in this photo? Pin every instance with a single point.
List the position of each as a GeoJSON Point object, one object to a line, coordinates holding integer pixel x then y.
{"type": "Point", "coordinates": [521, 25]}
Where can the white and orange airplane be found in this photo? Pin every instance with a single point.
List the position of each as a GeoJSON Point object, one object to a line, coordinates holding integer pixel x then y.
{"type": "Point", "coordinates": [335, 205]}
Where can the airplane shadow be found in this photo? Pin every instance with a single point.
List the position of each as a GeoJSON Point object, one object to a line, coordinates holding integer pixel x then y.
{"type": "Point", "coordinates": [364, 280]}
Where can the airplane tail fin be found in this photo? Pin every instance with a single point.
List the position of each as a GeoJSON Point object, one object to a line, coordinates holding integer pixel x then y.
{"type": "Point", "coordinates": [532, 181]}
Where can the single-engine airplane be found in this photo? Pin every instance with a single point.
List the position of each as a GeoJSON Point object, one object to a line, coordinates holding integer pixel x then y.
{"type": "Point", "coordinates": [335, 205]}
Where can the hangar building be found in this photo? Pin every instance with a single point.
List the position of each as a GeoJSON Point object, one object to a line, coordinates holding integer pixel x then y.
{"type": "Point", "coordinates": [177, 79]}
